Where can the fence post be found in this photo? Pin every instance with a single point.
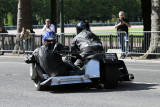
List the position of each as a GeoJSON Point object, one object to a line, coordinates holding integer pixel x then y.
{"type": "Point", "coordinates": [32, 42]}
{"type": "Point", "coordinates": [12, 42]}
{"type": "Point", "coordinates": [110, 41]}
{"type": "Point", "coordinates": [1, 45]}
{"type": "Point", "coordinates": [131, 49]}
{"type": "Point", "coordinates": [41, 40]}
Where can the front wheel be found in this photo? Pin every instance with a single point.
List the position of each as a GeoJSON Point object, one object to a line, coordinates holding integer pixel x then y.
{"type": "Point", "coordinates": [110, 76]}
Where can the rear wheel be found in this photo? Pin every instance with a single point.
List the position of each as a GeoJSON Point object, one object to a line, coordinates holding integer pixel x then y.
{"type": "Point", "coordinates": [110, 75]}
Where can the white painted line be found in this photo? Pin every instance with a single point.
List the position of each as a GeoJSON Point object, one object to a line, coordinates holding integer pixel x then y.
{"type": "Point", "coordinates": [145, 70]}
{"type": "Point", "coordinates": [148, 65]}
{"type": "Point", "coordinates": [9, 74]}
{"type": "Point", "coordinates": [12, 62]}
{"type": "Point", "coordinates": [145, 83]}
{"type": "Point", "coordinates": [141, 61]}
{"type": "Point", "coordinates": [12, 56]}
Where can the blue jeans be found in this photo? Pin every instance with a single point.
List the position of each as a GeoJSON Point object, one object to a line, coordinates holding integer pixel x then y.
{"type": "Point", "coordinates": [27, 45]}
{"type": "Point", "coordinates": [123, 38]}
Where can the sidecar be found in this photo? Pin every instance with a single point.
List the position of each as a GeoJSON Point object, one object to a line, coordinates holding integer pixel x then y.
{"type": "Point", "coordinates": [102, 70]}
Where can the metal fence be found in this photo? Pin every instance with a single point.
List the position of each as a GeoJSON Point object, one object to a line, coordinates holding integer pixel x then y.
{"type": "Point", "coordinates": [73, 25]}
{"type": "Point", "coordinates": [11, 42]}
{"type": "Point", "coordinates": [135, 43]}
{"type": "Point", "coordinates": [140, 42]}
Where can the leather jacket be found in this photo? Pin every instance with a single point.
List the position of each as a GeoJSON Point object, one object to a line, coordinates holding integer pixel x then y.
{"type": "Point", "coordinates": [86, 41]}
{"type": "Point", "coordinates": [49, 58]}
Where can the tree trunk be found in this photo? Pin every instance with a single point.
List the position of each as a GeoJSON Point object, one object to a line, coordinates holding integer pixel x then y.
{"type": "Point", "coordinates": [24, 19]}
{"type": "Point", "coordinates": [155, 22]}
{"type": "Point", "coordinates": [146, 15]}
{"type": "Point", "coordinates": [54, 13]}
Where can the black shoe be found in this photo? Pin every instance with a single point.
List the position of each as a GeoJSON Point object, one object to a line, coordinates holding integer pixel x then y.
{"type": "Point", "coordinates": [123, 56]}
{"type": "Point", "coordinates": [1, 53]}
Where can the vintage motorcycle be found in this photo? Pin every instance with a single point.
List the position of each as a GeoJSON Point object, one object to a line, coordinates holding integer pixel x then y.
{"type": "Point", "coordinates": [102, 70]}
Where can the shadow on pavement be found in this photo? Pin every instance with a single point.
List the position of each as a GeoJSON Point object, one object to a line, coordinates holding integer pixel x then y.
{"type": "Point", "coordinates": [88, 88]}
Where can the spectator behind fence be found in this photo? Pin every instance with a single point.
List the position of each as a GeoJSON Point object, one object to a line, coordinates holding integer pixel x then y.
{"type": "Point", "coordinates": [48, 26]}
{"type": "Point", "coordinates": [122, 24]}
{"type": "Point", "coordinates": [2, 30]}
{"type": "Point", "coordinates": [26, 36]}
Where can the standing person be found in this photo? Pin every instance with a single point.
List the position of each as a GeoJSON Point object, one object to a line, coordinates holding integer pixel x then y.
{"type": "Point", "coordinates": [2, 30]}
{"type": "Point", "coordinates": [122, 24]}
{"type": "Point", "coordinates": [86, 42]}
{"type": "Point", "coordinates": [26, 36]}
{"type": "Point", "coordinates": [48, 26]}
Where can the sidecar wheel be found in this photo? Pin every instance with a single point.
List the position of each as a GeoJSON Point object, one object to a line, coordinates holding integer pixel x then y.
{"type": "Point", "coordinates": [39, 87]}
{"type": "Point", "coordinates": [110, 76]}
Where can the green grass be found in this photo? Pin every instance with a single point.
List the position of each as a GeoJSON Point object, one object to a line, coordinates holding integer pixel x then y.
{"type": "Point", "coordinates": [114, 30]}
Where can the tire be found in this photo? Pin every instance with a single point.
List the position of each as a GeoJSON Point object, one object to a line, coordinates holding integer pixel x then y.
{"type": "Point", "coordinates": [39, 87]}
{"type": "Point", "coordinates": [110, 76]}
{"type": "Point", "coordinates": [37, 80]}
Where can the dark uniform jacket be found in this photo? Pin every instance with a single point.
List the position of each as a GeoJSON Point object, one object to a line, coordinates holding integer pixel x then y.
{"type": "Point", "coordinates": [49, 58]}
{"type": "Point", "coordinates": [87, 43]}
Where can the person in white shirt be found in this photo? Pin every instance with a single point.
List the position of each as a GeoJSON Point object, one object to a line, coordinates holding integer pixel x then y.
{"type": "Point", "coordinates": [48, 26]}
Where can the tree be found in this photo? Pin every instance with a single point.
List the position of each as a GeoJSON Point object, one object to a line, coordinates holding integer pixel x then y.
{"type": "Point", "coordinates": [155, 22]}
{"type": "Point", "coordinates": [54, 13]}
{"type": "Point", "coordinates": [24, 19]}
{"type": "Point", "coordinates": [146, 15]}
{"type": "Point", "coordinates": [8, 11]}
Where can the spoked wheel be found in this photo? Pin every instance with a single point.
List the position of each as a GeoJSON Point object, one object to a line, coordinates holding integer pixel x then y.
{"type": "Point", "coordinates": [110, 76]}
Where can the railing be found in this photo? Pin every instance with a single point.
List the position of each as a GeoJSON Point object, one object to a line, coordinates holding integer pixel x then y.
{"type": "Point", "coordinates": [73, 25]}
{"type": "Point", "coordinates": [9, 42]}
{"type": "Point", "coordinates": [138, 42]}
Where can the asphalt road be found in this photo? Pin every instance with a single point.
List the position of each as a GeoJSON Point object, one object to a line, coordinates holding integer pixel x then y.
{"type": "Point", "coordinates": [17, 90]}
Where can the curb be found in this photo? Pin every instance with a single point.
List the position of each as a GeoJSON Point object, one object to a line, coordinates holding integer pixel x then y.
{"type": "Point", "coordinates": [125, 60]}
{"type": "Point", "coordinates": [141, 61]}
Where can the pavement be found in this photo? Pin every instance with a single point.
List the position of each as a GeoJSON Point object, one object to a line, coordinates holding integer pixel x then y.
{"type": "Point", "coordinates": [17, 89]}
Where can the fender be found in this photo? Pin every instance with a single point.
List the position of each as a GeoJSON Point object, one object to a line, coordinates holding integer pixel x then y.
{"type": "Point", "coordinates": [105, 58]}
{"type": "Point", "coordinates": [100, 57]}
{"type": "Point", "coordinates": [33, 72]}
{"type": "Point", "coordinates": [37, 71]}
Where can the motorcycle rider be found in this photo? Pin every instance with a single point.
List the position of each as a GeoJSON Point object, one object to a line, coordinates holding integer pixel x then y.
{"type": "Point", "coordinates": [86, 42]}
{"type": "Point", "coordinates": [48, 56]}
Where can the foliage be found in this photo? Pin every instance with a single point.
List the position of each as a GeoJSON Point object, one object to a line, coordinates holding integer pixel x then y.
{"type": "Point", "coordinates": [74, 10]}
{"type": "Point", "coordinates": [40, 11]}
{"type": "Point", "coordinates": [8, 8]}
{"type": "Point", "coordinates": [102, 10]}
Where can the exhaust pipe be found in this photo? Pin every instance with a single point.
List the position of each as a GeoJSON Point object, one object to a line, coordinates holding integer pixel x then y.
{"type": "Point", "coordinates": [126, 77]}
{"type": "Point", "coordinates": [131, 77]}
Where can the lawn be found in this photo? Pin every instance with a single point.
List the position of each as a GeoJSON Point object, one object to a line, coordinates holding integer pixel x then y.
{"type": "Point", "coordinates": [133, 31]}
{"type": "Point", "coordinates": [114, 30]}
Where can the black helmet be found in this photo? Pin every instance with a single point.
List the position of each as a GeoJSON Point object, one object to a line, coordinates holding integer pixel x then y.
{"type": "Point", "coordinates": [82, 25]}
